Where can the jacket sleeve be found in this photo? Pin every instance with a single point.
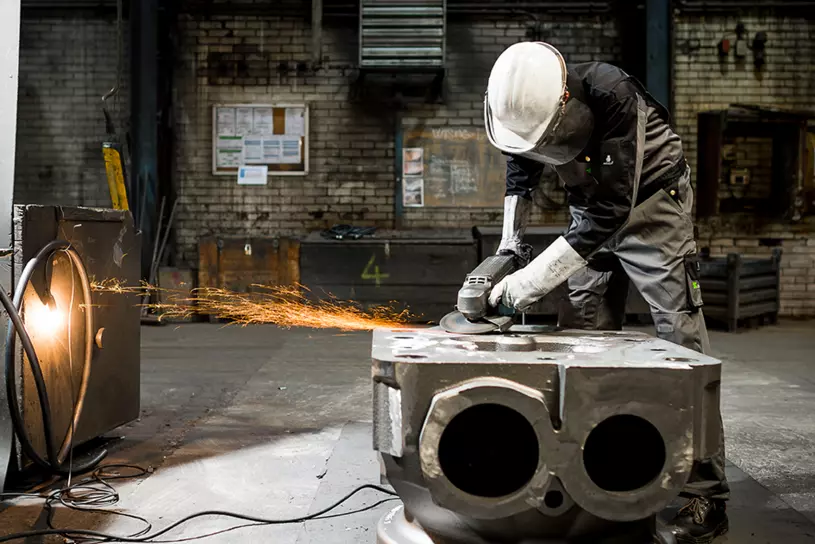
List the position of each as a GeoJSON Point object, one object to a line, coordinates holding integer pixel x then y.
{"type": "Point", "coordinates": [523, 176]}
{"type": "Point", "coordinates": [607, 209]}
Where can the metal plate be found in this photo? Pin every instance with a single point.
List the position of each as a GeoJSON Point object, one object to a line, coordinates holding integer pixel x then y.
{"type": "Point", "coordinates": [534, 344]}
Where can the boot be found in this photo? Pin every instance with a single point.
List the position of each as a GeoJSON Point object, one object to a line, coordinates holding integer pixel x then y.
{"type": "Point", "coordinates": [700, 521]}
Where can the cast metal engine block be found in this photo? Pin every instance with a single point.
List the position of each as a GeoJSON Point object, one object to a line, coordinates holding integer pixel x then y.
{"type": "Point", "coordinates": [537, 434]}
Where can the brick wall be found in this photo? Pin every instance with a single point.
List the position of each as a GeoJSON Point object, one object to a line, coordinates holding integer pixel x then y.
{"type": "Point", "coordinates": [67, 62]}
{"type": "Point", "coordinates": [703, 82]}
{"type": "Point", "coordinates": [351, 178]}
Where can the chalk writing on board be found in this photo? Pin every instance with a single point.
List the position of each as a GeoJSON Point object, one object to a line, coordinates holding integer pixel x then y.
{"type": "Point", "coordinates": [462, 177]}
{"type": "Point", "coordinates": [457, 134]}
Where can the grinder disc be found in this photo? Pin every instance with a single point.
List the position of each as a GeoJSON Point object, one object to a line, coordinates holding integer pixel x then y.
{"type": "Point", "coordinates": [455, 322]}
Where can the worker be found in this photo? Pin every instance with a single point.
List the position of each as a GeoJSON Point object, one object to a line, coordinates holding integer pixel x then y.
{"type": "Point", "coordinates": [630, 201]}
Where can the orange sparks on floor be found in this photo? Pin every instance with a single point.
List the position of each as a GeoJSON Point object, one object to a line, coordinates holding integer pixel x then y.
{"type": "Point", "coordinates": [284, 306]}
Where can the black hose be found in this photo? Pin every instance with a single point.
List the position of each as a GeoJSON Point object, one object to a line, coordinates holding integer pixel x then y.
{"type": "Point", "coordinates": [53, 463]}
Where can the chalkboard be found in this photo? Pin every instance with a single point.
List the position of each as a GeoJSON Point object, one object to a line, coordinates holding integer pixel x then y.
{"type": "Point", "coordinates": [460, 167]}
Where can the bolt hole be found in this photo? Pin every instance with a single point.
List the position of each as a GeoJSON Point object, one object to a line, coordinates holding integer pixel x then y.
{"type": "Point", "coordinates": [553, 499]}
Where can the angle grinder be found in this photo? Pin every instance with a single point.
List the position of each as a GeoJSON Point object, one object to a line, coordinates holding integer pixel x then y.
{"type": "Point", "coordinates": [473, 313]}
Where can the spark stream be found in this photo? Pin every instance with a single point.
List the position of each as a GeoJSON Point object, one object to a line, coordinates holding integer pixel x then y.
{"type": "Point", "coordinates": [284, 306]}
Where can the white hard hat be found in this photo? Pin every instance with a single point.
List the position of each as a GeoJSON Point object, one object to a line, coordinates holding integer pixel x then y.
{"type": "Point", "coordinates": [524, 95]}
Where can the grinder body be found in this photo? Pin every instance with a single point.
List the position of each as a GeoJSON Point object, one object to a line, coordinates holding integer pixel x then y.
{"type": "Point", "coordinates": [473, 297]}
{"type": "Point", "coordinates": [473, 314]}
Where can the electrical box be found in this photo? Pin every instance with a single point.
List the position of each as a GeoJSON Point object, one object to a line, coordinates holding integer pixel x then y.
{"type": "Point", "coordinates": [740, 177]}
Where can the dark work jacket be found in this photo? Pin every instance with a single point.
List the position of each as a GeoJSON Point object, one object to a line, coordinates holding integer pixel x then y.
{"type": "Point", "coordinates": [600, 180]}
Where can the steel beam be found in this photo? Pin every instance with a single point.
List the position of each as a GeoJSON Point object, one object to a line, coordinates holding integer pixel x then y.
{"type": "Point", "coordinates": [316, 32]}
{"type": "Point", "coordinates": [144, 119]}
{"type": "Point", "coordinates": [9, 82]}
{"type": "Point", "coordinates": [658, 39]}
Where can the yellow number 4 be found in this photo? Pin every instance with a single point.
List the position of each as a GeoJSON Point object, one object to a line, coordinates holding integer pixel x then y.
{"type": "Point", "coordinates": [376, 275]}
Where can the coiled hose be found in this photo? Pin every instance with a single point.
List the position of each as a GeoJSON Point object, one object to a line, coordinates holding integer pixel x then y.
{"type": "Point", "coordinates": [55, 462]}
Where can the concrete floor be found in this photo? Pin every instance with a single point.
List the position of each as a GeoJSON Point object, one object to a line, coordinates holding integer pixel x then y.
{"type": "Point", "coordinates": [274, 423]}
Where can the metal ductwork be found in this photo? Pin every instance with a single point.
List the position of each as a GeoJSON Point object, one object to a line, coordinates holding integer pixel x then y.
{"type": "Point", "coordinates": [402, 35]}
{"type": "Point", "coordinates": [67, 4]}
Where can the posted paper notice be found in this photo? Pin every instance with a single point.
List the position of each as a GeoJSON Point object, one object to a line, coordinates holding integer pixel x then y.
{"type": "Point", "coordinates": [295, 122]}
{"type": "Point", "coordinates": [272, 150]}
{"type": "Point", "coordinates": [413, 161]}
{"type": "Point", "coordinates": [263, 121]}
{"type": "Point", "coordinates": [253, 175]}
{"type": "Point", "coordinates": [225, 121]}
{"type": "Point", "coordinates": [291, 153]}
{"type": "Point", "coordinates": [413, 192]}
{"type": "Point", "coordinates": [244, 121]}
{"type": "Point", "coordinates": [253, 150]}
{"type": "Point", "coordinates": [229, 152]}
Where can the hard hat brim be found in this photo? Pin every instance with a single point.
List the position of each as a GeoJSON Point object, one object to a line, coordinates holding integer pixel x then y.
{"type": "Point", "coordinates": [508, 141]}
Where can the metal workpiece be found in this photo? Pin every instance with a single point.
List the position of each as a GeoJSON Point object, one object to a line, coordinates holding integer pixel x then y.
{"type": "Point", "coordinates": [537, 433]}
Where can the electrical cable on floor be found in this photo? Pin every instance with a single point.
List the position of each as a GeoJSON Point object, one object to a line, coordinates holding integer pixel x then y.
{"type": "Point", "coordinates": [94, 492]}
{"type": "Point", "coordinates": [90, 494]}
{"type": "Point", "coordinates": [256, 521]}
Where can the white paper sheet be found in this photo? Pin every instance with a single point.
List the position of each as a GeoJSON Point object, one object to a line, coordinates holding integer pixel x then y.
{"type": "Point", "coordinates": [229, 151]}
{"type": "Point", "coordinates": [413, 161]}
{"type": "Point", "coordinates": [263, 121]}
{"type": "Point", "coordinates": [272, 150]}
{"type": "Point", "coordinates": [253, 150]}
{"type": "Point", "coordinates": [412, 192]}
{"type": "Point", "coordinates": [291, 150]}
{"type": "Point", "coordinates": [253, 175]}
{"type": "Point", "coordinates": [295, 122]}
{"type": "Point", "coordinates": [226, 122]}
{"type": "Point", "coordinates": [244, 121]}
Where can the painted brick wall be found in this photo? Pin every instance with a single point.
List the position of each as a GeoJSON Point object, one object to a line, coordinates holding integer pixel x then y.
{"type": "Point", "coordinates": [351, 177]}
{"type": "Point", "coordinates": [702, 82]}
{"type": "Point", "coordinates": [67, 62]}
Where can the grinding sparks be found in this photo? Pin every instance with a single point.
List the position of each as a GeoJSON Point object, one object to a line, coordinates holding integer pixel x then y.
{"type": "Point", "coordinates": [115, 285]}
{"type": "Point", "coordinates": [284, 306]}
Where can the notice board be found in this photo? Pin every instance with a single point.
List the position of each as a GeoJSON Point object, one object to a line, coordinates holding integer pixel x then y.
{"type": "Point", "coordinates": [451, 167]}
{"type": "Point", "coordinates": [273, 135]}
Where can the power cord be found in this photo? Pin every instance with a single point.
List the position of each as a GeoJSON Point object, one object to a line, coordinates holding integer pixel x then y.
{"type": "Point", "coordinates": [94, 492]}
{"type": "Point", "coordinates": [98, 536]}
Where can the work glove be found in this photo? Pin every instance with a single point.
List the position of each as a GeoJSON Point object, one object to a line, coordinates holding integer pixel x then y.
{"type": "Point", "coordinates": [548, 270]}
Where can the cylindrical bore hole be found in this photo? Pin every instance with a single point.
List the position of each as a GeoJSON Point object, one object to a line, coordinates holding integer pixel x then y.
{"type": "Point", "coordinates": [553, 499]}
{"type": "Point", "coordinates": [624, 453]}
{"type": "Point", "coordinates": [489, 450]}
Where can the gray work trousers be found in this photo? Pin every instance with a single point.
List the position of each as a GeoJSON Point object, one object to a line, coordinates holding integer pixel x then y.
{"type": "Point", "coordinates": [656, 251]}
